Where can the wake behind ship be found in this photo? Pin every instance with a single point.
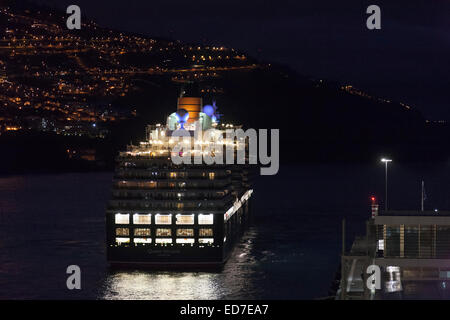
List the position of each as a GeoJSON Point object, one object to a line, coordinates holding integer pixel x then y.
{"type": "Point", "coordinates": [163, 214]}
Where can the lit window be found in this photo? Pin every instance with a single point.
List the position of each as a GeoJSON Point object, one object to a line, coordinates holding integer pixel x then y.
{"type": "Point", "coordinates": [394, 284]}
{"type": "Point", "coordinates": [205, 232]}
{"type": "Point", "coordinates": [185, 219]}
{"type": "Point", "coordinates": [163, 219]}
{"type": "Point", "coordinates": [163, 232]}
{"type": "Point", "coordinates": [186, 240]}
{"type": "Point", "coordinates": [163, 240]}
{"type": "Point", "coordinates": [122, 218]}
{"type": "Point", "coordinates": [185, 232]}
{"type": "Point", "coordinates": [142, 218]}
{"type": "Point", "coordinates": [122, 232]}
{"type": "Point", "coordinates": [205, 219]}
{"type": "Point", "coordinates": [206, 240]}
{"type": "Point", "coordinates": [147, 184]}
{"type": "Point", "coordinates": [211, 175]}
{"type": "Point", "coordinates": [141, 232]}
{"type": "Point", "coordinates": [122, 240]}
{"type": "Point", "coordinates": [173, 175]}
{"type": "Point", "coordinates": [381, 245]}
{"type": "Point", "coordinates": [142, 240]}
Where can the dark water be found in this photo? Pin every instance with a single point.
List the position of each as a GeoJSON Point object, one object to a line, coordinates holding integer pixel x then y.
{"type": "Point", "coordinates": [48, 222]}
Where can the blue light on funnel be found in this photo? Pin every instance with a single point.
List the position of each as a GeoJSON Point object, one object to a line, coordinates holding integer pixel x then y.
{"type": "Point", "coordinates": [182, 116]}
{"type": "Point", "coordinates": [208, 110]}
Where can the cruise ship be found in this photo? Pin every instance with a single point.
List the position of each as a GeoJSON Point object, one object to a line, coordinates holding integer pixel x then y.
{"type": "Point", "coordinates": [167, 214]}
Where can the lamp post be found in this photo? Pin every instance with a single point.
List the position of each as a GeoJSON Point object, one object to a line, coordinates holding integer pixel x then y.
{"type": "Point", "coordinates": [386, 161]}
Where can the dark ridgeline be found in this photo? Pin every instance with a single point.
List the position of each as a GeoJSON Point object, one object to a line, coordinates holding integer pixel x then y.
{"type": "Point", "coordinates": [319, 121]}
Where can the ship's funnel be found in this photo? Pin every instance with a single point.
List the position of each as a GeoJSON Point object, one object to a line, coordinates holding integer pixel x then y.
{"type": "Point", "coordinates": [192, 105]}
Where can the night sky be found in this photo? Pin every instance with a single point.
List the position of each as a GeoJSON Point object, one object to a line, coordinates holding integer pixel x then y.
{"type": "Point", "coordinates": [407, 60]}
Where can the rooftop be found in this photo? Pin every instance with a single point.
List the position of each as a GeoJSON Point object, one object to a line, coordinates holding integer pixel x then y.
{"type": "Point", "coordinates": [415, 213]}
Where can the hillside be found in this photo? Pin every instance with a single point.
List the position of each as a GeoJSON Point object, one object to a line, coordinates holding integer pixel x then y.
{"type": "Point", "coordinates": [97, 88]}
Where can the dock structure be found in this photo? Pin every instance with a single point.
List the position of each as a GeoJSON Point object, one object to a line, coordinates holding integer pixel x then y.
{"type": "Point", "coordinates": [353, 268]}
{"type": "Point", "coordinates": [412, 250]}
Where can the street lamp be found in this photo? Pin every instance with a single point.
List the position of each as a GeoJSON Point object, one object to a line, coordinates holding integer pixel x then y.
{"type": "Point", "coordinates": [386, 161]}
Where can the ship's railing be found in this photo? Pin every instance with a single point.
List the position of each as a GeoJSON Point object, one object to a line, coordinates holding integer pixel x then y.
{"type": "Point", "coordinates": [165, 184]}
{"type": "Point", "coordinates": [166, 175]}
{"type": "Point", "coordinates": [135, 195]}
{"type": "Point", "coordinates": [167, 204]}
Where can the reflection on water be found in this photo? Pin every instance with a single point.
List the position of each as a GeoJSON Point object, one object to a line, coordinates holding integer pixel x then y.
{"type": "Point", "coordinates": [234, 280]}
{"type": "Point", "coordinates": [48, 222]}
{"type": "Point", "coordinates": [145, 285]}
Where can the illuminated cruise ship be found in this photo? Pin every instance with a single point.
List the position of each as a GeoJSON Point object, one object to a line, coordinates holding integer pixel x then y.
{"type": "Point", "coordinates": [162, 213]}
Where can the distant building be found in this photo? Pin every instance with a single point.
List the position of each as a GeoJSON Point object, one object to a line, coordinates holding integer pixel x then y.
{"type": "Point", "coordinates": [83, 154]}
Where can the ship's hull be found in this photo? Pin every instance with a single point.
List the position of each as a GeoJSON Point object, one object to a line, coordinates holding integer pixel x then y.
{"type": "Point", "coordinates": [175, 256]}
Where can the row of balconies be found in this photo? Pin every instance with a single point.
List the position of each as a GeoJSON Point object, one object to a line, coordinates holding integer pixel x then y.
{"type": "Point", "coordinates": [171, 175]}
{"type": "Point", "coordinates": [145, 161]}
{"type": "Point", "coordinates": [169, 195]}
{"type": "Point", "coordinates": [170, 204]}
{"type": "Point", "coordinates": [180, 184]}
